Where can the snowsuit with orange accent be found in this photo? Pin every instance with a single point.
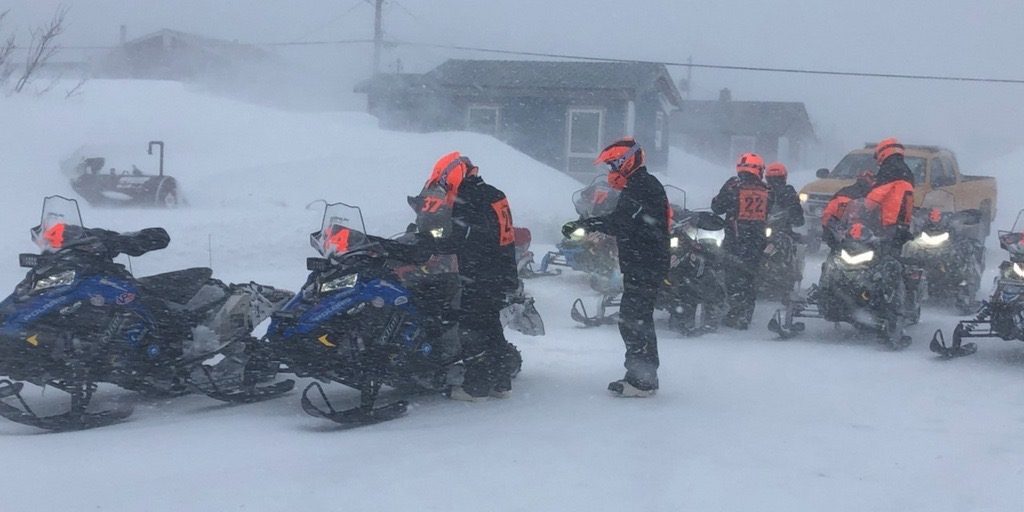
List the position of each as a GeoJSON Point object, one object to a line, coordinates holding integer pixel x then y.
{"type": "Point", "coordinates": [836, 208]}
{"type": "Point", "coordinates": [482, 236]}
{"type": "Point", "coordinates": [892, 198]}
{"type": "Point", "coordinates": [639, 224]}
{"type": "Point", "coordinates": [745, 201]}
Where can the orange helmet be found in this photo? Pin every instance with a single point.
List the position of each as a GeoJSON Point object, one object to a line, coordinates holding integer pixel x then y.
{"type": "Point", "coordinates": [887, 148]}
{"type": "Point", "coordinates": [752, 163]}
{"type": "Point", "coordinates": [449, 171]}
{"type": "Point", "coordinates": [623, 157]}
{"type": "Point", "coordinates": [775, 170]}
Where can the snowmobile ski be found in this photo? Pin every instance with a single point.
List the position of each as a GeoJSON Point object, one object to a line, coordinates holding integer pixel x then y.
{"type": "Point", "coordinates": [244, 394]}
{"type": "Point", "coordinates": [74, 419]}
{"type": "Point", "coordinates": [365, 414]}
{"type": "Point", "coordinates": [579, 313]}
{"type": "Point", "coordinates": [938, 344]}
{"type": "Point", "coordinates": [785, 328]}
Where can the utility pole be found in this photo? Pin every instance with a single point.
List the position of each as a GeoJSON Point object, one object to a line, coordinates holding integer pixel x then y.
{"type": "Point", "coordinates": [378, 33]}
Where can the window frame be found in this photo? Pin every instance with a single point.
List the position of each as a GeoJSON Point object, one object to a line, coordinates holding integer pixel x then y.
{"type": "Point", "coordinates": [569, 126]}
{"type": "Point", "coordinates": [484, 106]}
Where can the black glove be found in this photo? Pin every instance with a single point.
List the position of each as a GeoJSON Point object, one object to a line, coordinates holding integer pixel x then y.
{"type": "Point", "coordinates": [569, 227]}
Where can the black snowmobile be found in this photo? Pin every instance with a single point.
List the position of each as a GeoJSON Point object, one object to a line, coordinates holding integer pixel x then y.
{"type": "Point", "coordinates": [597, 254]}
{"type": "Point", "coordinates": [365, 318]}
{"type": "Point", "coordinates": [861, 285]}
{"type": "Point", "coordinates": [783, 265]}
{"type": "Point", "coordinates": [79, 319]}
{"type": "Point", "coordinates": [1002, 315]}
{"type": "Point", "coordinates": [950, 246]}
{"type": "Point", "coordinates": [694, 292]}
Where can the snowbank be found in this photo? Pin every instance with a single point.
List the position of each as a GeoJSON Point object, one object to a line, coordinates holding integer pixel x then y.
{"type": "Point", "coordinates": [246, 167]}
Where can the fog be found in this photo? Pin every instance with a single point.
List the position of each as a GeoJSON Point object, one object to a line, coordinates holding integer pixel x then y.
{"type": "Point", "coordinates": [969, 39]}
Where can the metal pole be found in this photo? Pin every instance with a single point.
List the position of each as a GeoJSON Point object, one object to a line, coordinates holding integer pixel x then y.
{"type": "Point", "coordinates": [378, 33]}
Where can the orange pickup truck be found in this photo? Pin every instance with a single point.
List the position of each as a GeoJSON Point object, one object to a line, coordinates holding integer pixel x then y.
{"type": "Point", "coordinates": [934, 168]}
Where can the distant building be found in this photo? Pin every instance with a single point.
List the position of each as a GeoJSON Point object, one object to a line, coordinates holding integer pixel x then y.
{"type": "Point", "coordinates": [173, 55]}
{"type": "Point", "coordinates": [721, 130]}
{"type": "Point", "coordinates": [560, 113]}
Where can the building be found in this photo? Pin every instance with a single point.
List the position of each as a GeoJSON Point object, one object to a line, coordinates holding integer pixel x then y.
{"type": "Point", "coordinates": [721, 130]}
{"type": "Point", "coordinates": [172, 55]}
{"type": "Point", "coordinates": [560, 113]}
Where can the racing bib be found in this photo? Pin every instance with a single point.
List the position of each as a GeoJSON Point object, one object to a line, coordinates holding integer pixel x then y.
{"type": "Point", "coordinates": [506, 234]}
{"type": "Point", "coordinates": [753, 204]}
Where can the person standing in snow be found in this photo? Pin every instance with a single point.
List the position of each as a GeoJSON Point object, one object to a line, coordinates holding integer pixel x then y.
{"type": "Point", "coordinates": [640, 225]}
{"type": "Point", "coordinates": [481, 235]}
{"type": "Point", "coordinates": [745, 201]}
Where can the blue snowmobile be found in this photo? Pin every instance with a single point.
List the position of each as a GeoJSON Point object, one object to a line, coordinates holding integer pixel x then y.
{"type": "Point", "coordinates": [79, 319]}
{"type": "Point", "coordinates": [366, 317]}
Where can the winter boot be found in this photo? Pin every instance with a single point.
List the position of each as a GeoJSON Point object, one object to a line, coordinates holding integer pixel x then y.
{"type": "Point", "coordinates": [624, 388]}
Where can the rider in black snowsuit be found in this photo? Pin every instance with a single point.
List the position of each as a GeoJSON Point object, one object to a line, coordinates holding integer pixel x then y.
{"type": "Point", "coordinates": [481, 236]}
{"type": "Point", "coordinates": [783, 197]}
{"type": "Point", "coordinates": [639, 224]}
{"type": "Point", "coordinates": [745, 202]}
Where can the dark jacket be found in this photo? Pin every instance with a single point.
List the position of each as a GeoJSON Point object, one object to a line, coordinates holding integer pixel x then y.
{"type": "Point", "coordinates": [783, 197]}
{"type": "Point", "coordinates": [893, 194]}
{"type": "Point", "coordinates": [892, 169]}
{"type": "Point", "coordinates": [482, 237]}
{"type": "Point", "coordinates": [745, 202]}
{"type": "Point", "coordinates": [639, 224]}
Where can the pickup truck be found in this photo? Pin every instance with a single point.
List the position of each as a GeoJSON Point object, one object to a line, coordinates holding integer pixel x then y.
{"type": "Point", "coordinates": [934, 168]}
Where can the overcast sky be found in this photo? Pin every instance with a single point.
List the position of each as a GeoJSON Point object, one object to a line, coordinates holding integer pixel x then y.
{"type": "Point", "coordinates": [940, 37]}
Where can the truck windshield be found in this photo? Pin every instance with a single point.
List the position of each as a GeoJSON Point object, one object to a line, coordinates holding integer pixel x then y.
{"type": "Point", "coordinates": [855, 163]}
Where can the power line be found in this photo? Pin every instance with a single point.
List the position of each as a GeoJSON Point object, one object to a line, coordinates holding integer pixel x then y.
{"type": "Point", "coordinates": [716, 66]}
{"type": "Point", "coordinates": [691, 65]}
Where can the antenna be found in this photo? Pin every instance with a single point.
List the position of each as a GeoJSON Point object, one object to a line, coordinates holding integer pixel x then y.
{"type": "Point", "coordinates": [130, 270]}
{"type": "Point", "coordinates": [209, 248]}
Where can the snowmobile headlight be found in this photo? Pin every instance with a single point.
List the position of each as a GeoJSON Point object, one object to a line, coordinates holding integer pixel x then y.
{"type": "Point", "coordinates": [932, 241]}
{"type": "Point", "coordinates": [1019, 270]}
{"type": "Point", "coordinates": [673, 242]}
{"type": "Point", "coordinates": [437, 232]}
{"type": "Point", "coordinates": [804, 197]}
{"type": "Point", "coordinates": [578, 234]}
{"type": "Point", "coordinates": [52, 281]}
{"type": "Point", "coordinates": [856, 259]}
{"type": "Point", "coordinates": [345, 281]}
{"type": "Point", "coordinates": [768, 232]}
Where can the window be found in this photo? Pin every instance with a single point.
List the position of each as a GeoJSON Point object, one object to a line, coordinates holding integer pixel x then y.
{"type": "Point", "coordinates": [483, 119]}
{"type": "Point", "coordinates": [584, 136]}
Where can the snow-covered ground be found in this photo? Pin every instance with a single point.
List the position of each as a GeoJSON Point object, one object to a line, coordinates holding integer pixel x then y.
{"type": "Point", "coordinates": [742, 422]}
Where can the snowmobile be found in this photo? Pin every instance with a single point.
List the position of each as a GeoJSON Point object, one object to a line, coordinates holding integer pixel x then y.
{"type": "Point", "coordinates": [79, 319]}
{"type": "Point", "coordinates": [861, 285]}
{"type": "Point", "coordinates": [1002, 315]}
{"type": "Point", "coordinates": [594, 253]}
{"type": "Point", "coordinates": [121, 187]}
{"type": "Point", "coordinates": [783, 265]}
{"type": "Point", "coordinates": [694, 292]}
{"type": "Point", "coordinates": [363, 321]}
{"type": "Point", "coordinates": [949, 245]}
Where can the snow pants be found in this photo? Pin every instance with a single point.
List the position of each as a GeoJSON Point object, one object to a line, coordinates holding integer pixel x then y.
{"type": "Point", "coordinates": [483, 344]}
{"type": "Point", "coordinates": [742, 264]}
{"type": "Point", "coordinates": [636, 325]}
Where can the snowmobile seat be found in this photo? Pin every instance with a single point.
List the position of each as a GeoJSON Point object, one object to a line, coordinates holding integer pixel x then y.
{"type": "Point", "coordinates": [178, 286]}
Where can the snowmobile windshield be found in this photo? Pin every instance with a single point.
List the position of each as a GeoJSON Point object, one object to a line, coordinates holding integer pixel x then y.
{"type": "Point", "coordinates": [855, 163]}
{"type": "Point", "coordinates": [936, 209]}
{"type": "Point", "coordinates": [59, 225]}
{"type": "Point", "coordinates": [596, 199]}
{"type": "Point", "coordinates": [433, 215]}
{"type": "Point", "coordinates": [341, 231]}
